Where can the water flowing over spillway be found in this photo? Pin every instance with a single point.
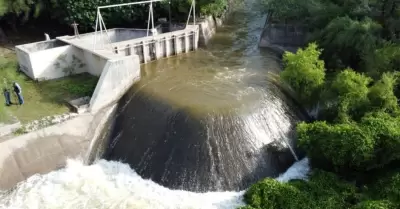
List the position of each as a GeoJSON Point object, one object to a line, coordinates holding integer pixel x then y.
{"type": "Point", "coordinates": [195, 132]}
{"type": "Point", "coordinates": [112, 185]}
{"type": "Point", "coordinates": [205, 121]}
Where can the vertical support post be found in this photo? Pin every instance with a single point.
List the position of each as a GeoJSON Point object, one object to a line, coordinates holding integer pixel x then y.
{"type": "Point", "coordinates": [101, 33]}
{"type": "Point", "coordinates": [152, 18]}
{"type": "Point", "coordinates": [190, 12]}
{"type": "Point", "coordinates": [105, 29]}
{"type": "Point", "coordinates": [194, 12]}
{"type": "Point", "coordinates": [187, 38]}
{"type": "Point", "coordinates": [169, 14]}
{"type": "Point", "coordinates": [148, 23]}
{"type": "Point", "coordinates": [95, 32]}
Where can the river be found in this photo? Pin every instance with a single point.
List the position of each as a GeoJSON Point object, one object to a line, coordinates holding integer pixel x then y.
{"type": "Point", "coordinates": [206, 120]}
{"type": "Point", "coordinates": [193, 133]}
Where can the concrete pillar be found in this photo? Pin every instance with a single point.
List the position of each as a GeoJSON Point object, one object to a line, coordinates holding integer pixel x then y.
{"type": "Point", "coordinates": [187, 41]}
{"type": "Point", "coordinates": [195, 39]}
{"type": "Point", "coordinates": [145, 52]}
{"type": "Point", "coordinates": [132, 50]}
{"type": "Point", "coordinates": [167, 47]}
{"type": "Point", "coordinates": [176, 44]}
{"type": "Point", "coordinates": [158, 48]}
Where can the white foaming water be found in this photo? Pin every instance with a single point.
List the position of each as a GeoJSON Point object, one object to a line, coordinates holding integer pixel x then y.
{"type": "Point", "coordinates": [112, 185]}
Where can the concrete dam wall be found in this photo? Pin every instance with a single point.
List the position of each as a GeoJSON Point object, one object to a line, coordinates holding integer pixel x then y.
{"type": "Point", "coordinates": [118, 67]}
{"type": "Point", "coordinates": [283, 37]}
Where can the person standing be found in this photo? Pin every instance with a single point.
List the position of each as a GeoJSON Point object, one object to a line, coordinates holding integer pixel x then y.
{"type": "Point", "coordinates": [7, 96]}
{"type": "Point", "coordinates": [18, 92]}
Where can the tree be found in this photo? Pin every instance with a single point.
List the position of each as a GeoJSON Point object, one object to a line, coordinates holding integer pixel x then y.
{"type": "Point", "coordinates": [343, 148]}
{"type": "Point", "coordinates": [385, 130]}
{"type": "Point", "coordinates": [321, 190]}
{"type": "Point", "coordinates": [14, 10]}
{"type": "Point", "coordinates": [381, 94]}
{"type": "Point", "coordinates": [383, 59]}
{"type": "Point", "coordinates": [347, 95]}
{"type": "Point", "coordinates": [348, 39]}
{"type": "Point", "coordinates": [305, 73]}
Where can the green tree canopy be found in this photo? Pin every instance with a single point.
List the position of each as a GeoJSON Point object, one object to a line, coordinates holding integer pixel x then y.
{"type": "Point", "coordinates": [348, 94]}
{"type": "Point", "coordinates": [343, 148]}
{"type": "Point", "coordinates": [304, 72]}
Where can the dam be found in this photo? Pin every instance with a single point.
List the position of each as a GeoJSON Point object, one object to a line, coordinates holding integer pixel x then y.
{"type": "Point", "coordinates": [193, 132]}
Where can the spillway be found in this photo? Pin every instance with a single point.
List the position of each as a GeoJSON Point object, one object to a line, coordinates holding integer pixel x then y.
{"type": "Point", "coordinates": [210, 120]}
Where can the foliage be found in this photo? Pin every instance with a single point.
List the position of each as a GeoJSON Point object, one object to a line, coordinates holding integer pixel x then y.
{"type": "Point", "coordinates": [348, 94]}
{"type": "Point", "coordinates": [382, 96]}
{"type": "Point", "coordinates": [348, 39]}
{"type": "Point", "coordinates": [375, 204]}
{"type": "Point", "coordinates": [304, 72]}
{"type": "Point", "coordinates": [22, 9]}
{"type": "Point", "coordinates": [358, 135]}
{"type": "Point", "coordinates": [343, 148]}
{"type": "Point", "coordinates": [385, 130]}
{"type": "Point", "coordinates": [215, 8]}
{"type": "Point", "coordinates": [322, 190]}
{"type": "Point", "coordinates": [383, 59]}
{"type": "Point", "coordinates": [388, 188]}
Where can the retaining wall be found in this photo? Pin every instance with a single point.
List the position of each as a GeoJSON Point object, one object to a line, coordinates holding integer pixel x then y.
{"type": "Point", "coordinates": [116, 78]}
{"type": "Point", "coordinates": [47, 149]}
{"type": "Point", "coordinates": [283, 37]}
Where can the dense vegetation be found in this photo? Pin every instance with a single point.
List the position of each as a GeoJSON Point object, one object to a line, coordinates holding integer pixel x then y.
{"type": "Point", "coordinates": [18, 12]}
{"type": "Point", "coordinates": [349, 71]}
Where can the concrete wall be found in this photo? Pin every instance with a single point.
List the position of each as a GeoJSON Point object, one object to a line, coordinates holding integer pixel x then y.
{"type": "Point", "coordinates": [163, 45]}
{"type": "Point", "coordinates": [117, 77]}
{"type": "Point", "coordinates": [281, 37]}
{"type": "Point", "coordinates": [95, 63]}
{"type": "Point", "coordinates": [48, 149]}
{"type": "Point", "coordinates": [51, 63]}
{"type": "Point", "coordinates": [208, 27]}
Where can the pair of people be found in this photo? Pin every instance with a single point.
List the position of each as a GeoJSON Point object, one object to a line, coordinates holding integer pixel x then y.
{"type": "Point", "coordinates": [18, 92]}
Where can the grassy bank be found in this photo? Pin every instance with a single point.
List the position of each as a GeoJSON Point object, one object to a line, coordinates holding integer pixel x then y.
{"type": "Point", "coordinates": [41, 98]}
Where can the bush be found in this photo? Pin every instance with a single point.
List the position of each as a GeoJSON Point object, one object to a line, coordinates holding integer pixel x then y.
{"type": "Point", "coordinates": [323, 190]}
{"type": "Point", "coordinates": [343, 148]}
{"type": "Point", "coordinates": [348, 95]}
{"type": "Point", "coordinates": [385, 130]}
{"type": "Point", "coordinates": [305, 73]}
{"type": "Point", "coordinates": [381, 94]}
{"type": "Point", "coordinates": [388, 188]}
{"type": "Point", "coordinates": [375, 204]}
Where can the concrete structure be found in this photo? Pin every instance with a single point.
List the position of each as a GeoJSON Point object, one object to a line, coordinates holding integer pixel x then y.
{"type": "Point", "coordinates": [47, 149]}
{"type": "Point", "coordinates": [118, 65]}
{"type": "Point", "coordinates": [116, 58]}
{"type": "Point", "coordinates": [282, 37]}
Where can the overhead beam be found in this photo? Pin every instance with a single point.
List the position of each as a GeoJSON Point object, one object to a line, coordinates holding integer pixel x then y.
{"type": "Point", "coordinates": [127, 4]}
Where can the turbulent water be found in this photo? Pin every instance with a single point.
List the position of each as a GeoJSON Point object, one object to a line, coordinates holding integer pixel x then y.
{"type": "Point", "coordinates": [209, 121]}
{"type": "Point", "coordinates": [113, 185]}
{"type": "Point", "coordinates": [205, 121]}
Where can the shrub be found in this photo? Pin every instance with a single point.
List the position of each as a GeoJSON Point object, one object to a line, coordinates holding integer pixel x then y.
{"type": "Point", "coordinates": [343, 148]}
{"type": "Point", "coordinates": [322, 190]}
{"type": "Point", "coordinates": [305, 73]}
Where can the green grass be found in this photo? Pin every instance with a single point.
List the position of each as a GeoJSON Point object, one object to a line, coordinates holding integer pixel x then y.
{"type": "Point", "coordinates": [41, 98]}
